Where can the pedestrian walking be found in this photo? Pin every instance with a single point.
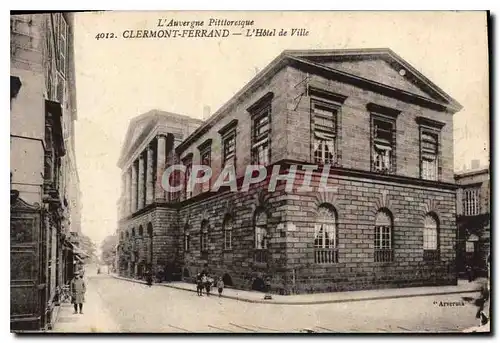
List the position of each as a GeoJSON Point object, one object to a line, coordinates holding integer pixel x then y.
{"type": "Point", "coordinates": [470, 272]}
{"type": "Point", "coordinates": [206, 284]}
{"type": "Point", "coordinates": [199, 284]}
{"type": "Point", "coordinates": [220, 286]}
{"type": "Point", "coordinates": [149, 278]}
{"type": "Point", "coordinates": [78, 290]}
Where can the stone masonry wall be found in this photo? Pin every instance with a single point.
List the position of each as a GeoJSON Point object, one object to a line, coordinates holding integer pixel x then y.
{"type": "Point", "coordinates": [356, 201]}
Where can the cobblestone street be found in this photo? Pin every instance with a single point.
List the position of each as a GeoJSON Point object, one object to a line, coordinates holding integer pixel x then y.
{"type": "Point", "coordinates": [134, 307]}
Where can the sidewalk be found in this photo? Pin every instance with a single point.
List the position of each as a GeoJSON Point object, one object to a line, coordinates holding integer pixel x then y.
{"type": "Point", "coordinates": [334, 297]}
{"type": "Point", "coordinates": [94, 319]}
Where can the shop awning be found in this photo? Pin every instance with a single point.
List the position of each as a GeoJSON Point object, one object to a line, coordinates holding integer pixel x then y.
{"type": "Point", "coordinates": [78, 251]}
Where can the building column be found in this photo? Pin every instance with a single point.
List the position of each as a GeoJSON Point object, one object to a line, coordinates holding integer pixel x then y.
{"type": "Point", "coordinates": [160, 167]}
{"type": "Point", "coordinates": [140, 184]}
{"type": "Point", "coordinates": [128, 191]}
{"type": "Point", "coordinates": [134, 187]}
{"type": "Point", "coordinates": [149, 177]}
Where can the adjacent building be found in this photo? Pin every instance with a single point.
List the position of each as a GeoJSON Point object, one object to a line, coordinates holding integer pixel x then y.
{"type": "Point", "coordinates": [473, 220]}
{"type": "Point", "coordinates": [45, 195]}
{"type": "Point", "coordinates": [388, 220]}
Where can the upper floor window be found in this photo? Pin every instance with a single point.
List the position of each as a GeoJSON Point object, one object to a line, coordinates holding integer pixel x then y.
{"type": "Point", "coordinates": [188, 163]}
{"type": "Point", "coordinates": [325, 236]}
{"type": "Point", "coordinates": [429, 147]}
{"type": "Point", "coordinates": [429, 155]}
{"type": "Point", "coordinates": [61, 35]}
{"type": "Point", "coordinates": [325, 132]}
{"type": "Point", "coordinates": [383, 144]}
{"type": "Point", "coordinates": [383, 236]}
{"type": "Point", "coordinates": [206, 160]}
{"type": "Point", "coordinates": [470, 201]}
{"type": "Point", "coordinates": [229, 148]}
{"type": "Point", "coordinates": [261, 130]}
{"type": "Point", "coordinates": [228, 138]}
{"type": "Point", "coordinates": [261, 137]}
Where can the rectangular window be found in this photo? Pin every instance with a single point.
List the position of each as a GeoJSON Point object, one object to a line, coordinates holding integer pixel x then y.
{"type": "Point", "coordinates": [261, 140]}
{"type": "Point", "coordinates": [325, 132]}
{"type": "Point", "coordinates": [227, 239]}
{"type": "Point", "coordinates": [229, 149]}
{"type": "Point", "coordinates": [204, 241]}
{"type": "Point", "coordinates": [383, 144]}
{"type": "Point", "coordinates": [187, 176]}
{"type": "Point", "coordinates": [62, 35]}
{"type": "Point", "coordinates": [430, 239]}
{"type": "Point", "coordinates": [187, 241]}
{"type": "Point", "coordinates": [383, 244]}
{"type": "Point", "coordinates": [470, 201]}
{"type": "Point", "coordinates": [205, 161]}
{"type": "Point", "coordinates": [429, 155]}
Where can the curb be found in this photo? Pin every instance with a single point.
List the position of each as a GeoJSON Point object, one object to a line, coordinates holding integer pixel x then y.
{"type": "Point", "coordinates": [273, 302]}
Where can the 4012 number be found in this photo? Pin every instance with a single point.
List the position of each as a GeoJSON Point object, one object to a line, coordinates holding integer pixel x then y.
{"type": "Point", "coordinates": [105, 35]}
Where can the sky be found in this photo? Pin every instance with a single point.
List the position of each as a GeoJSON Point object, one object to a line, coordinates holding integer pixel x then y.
{"type": "Point", "coordinates": [118, 79]}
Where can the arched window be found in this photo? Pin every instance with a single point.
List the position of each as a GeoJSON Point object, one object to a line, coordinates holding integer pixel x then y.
{"type": "Point", "coordinates": [133, 232]}
{"type": "Point", "coordinates": [141, 231]}
{"type": "Point", "coordinates": [204, 236]}
{"type": "Point", "coordinates": [383, 236]}
{"type": "Point", "coordinates": [431, 238]}
{"type": "Point", "coordinates": [325, 236]}
{"type": "Point", "coordinates": [261, 237]}
{"type": "Point", "coordinates": [126, 235]}
{"type": "Point", "coordinates": [187, 239]}
{"type": "Point", "coordinates": [228, 228]}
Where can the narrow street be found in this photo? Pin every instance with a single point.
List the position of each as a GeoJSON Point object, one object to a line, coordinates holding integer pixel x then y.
{"type": "Point", "coordinates": [134, 307]}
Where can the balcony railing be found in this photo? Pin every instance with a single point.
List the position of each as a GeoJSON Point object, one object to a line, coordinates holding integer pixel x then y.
{"type": "Point", "coordinates": [325, 256]}
{"type": "Point", "coordinates": [384, 255]}
{"type": "Point", "coordinates": [261, 255]}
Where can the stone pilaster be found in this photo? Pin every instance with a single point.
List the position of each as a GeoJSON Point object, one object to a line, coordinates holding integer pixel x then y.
{"type": "Point", "coordinates": [160, 167]}
{"type": "Point", "coordinates": [140, 184]}
{"type": "Point", "coordinates": [134, 187]}
{"type": "Point", "coordinates": [149, 177]}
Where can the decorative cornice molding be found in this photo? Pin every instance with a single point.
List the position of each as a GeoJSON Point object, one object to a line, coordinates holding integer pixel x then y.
{"type": "Point", "coordinates": [429, 122]}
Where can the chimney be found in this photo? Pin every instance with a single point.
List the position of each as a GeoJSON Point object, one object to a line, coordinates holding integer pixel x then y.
{"type": "Point", "coordinates": [474, 164]}
{"type": "Point", "coordinates": [206, 112]}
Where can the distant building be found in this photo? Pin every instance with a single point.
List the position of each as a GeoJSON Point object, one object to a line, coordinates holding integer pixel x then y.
{"type": "Point", "coordinates": [473, 219]}
{"type": "Point", "coordinates": [387, 132]}
{"type": "Point", "coordinates": [45, 194]}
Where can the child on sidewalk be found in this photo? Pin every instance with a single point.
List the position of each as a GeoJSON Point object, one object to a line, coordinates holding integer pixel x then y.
{"type": "Point", "coordinates": [220, 286]}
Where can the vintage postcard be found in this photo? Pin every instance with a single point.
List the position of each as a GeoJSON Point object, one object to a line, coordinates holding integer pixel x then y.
{"type": "Point", "coordinates": [249, 172]}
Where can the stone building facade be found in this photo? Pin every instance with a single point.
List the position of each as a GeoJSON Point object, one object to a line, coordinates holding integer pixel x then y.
{"type": "Point", "coordinates": [45, 194]}
{"type": "Point", "coordinates": [473, 220]}
{"type": "Point", "coordinates": [143, 228]}
{"type": "Point", "coordinates": [388, 216]}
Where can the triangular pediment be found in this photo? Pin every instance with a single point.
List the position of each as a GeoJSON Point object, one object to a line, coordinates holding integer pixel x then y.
{"type": "Point", "coordinates": [382, 66]}
{"type": "Point", "coordinates": [139, 128]}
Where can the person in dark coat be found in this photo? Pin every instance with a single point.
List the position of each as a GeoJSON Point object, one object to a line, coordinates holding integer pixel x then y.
{"type": "Point", "coordinates": [149, 278]}
{"type": "Point", "coordinates": [199, 284]}
{"type": "Point", "coordinates": [78, 290]}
